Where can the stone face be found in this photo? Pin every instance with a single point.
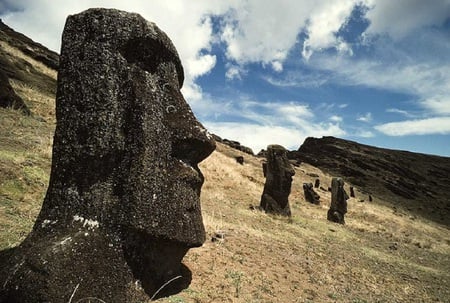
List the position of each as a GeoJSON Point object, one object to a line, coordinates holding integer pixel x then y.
{"type": "Point", "coordinates": [339, 197]}
{"type": "Point", "coordinates": [122, 207]}
{"type": "Point", "coordinates": [310, 195]}
{"type": "Point", "coordinates": [279, 173]}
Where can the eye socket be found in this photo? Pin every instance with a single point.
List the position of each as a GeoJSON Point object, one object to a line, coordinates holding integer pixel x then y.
{"type": "Point", "coordinates": [171, 109]}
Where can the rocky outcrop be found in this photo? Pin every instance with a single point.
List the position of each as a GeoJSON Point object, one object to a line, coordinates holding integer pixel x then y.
{"type": "Point", "coordinates": [234, 144]}
{"type": "Point", "coordinates": [122, 207]}
{"type": "Point", "coordinates": [278, 172]}
{"type": "Point", "coordinates": [416, 182]}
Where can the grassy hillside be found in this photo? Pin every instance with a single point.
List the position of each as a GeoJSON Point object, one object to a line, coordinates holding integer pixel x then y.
{"type": "Point", "coordinates": [382, 254]}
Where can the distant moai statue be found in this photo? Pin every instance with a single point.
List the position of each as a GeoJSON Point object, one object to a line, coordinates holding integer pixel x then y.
{"type": "Point", "coordinates": [317, 183]}
{"type": "Point", "coordinates": [240, 159]}
{"type": "Point", "coordinates": [279, 173]}
{"type": "Point", "coordinates": [310, 195]}
{"type": "Point", "coordinates": [123, 202]}
{"type": "Point", "coordinates": [352, 192]}
{"type": "Point", "coordinates": [338, 207]}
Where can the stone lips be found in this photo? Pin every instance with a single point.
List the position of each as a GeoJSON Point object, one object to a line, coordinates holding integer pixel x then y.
{"type": "Point", "coordinates": [123, 200]}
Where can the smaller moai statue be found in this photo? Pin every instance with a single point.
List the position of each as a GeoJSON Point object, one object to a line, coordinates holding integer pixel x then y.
{"type": "Point", "coordinates": [338, 207]}
{"type": "Point", "coordinates": [352, 192]}
{"type": "Point", "coordinates": [310, 195]}
{"type": "Point", "coordinates": [278, 172]}
{"type": "Point", "coordinates": [317, 183]}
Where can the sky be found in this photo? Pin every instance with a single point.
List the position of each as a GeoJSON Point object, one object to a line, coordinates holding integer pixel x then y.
{"type": "Point", "coordinates": [275, 72]}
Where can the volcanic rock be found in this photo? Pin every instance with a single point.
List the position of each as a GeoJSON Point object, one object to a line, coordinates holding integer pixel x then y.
{"type": "Point", "coordinates": [310, 195]}
{"type": "Point", "coordinates": [234, 144]}
{"type": "Point", "coordinates": [338, 207]}
{"type": "Point", "coordinates": [279, 173]}
{"type": "Point", "coordinates": [122, 207]}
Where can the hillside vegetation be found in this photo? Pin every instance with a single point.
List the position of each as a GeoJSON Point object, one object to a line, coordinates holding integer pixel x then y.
{"type": "Point", "coordinates": [382, 254]}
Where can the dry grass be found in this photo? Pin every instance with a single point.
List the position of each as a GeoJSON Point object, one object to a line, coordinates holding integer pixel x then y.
{"type": "Point", "coordinates": [16, 53]}
{"type": "Point", "coordinates": [373, 258]}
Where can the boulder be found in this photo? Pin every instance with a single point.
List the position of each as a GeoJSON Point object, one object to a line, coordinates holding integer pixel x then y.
{"type": "Point", "coordinates": [339, 197]}
{"type": "Point", "coordinates": [122, 207]}
{"type": "Point", "coordinates": [240, 159]}
{"type": "Point", "coordinates": [310, 195]}
{"type": "Point", "coordinates": [279, 173]}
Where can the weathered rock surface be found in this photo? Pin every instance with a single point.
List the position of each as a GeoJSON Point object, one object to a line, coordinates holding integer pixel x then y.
{"type": "Point", "coordinates": [278, 173]}
{"type": "Point", "coordinates": [310, 195]}
{"type": "Point", "coordinates": [234, 144]}
{"type": "Point", "coordinates": [416, 182]}
{"type": "Point", "coordinates": [122, 207]}
{"type": "Point", "coordinates": [338, 206]}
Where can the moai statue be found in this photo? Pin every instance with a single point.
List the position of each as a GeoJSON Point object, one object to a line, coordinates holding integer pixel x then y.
{"type": "Point", "coordinates": [122, 207]}
{"type": "Point", "coordinates": [317, 183]}
{"type": "Point", "coordinates": [279, 173]}
{"type": "Point", "coordinates": [352, 192]}
{"type": "Point", "coordinates": [338, 207]}
{"type": "Point", "coordinates": [310, 195]}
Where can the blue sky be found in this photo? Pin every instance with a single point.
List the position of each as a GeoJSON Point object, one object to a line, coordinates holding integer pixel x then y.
{"type": "Point", "coordinates": [264, 72]}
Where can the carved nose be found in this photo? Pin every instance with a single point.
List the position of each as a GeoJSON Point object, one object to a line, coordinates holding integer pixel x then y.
{"type": "Point", "coordinates": [193, 150]}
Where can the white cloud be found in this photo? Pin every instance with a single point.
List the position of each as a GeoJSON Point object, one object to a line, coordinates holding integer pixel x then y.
{"type": "Point", "coordinates": [295, 79]}
{"type": "Point", "coordinates": [234, 72]}
{"type": "Point", "coordinates": [274, 113]}
{"type": "Point", "coordinates": [365, 118]}
{"type": "Point", "coordinates": [401, 112]}
{"type": "Point", "coordinates": [336, 118]}
{"type": "Point", "coordinates": [400, 17]}
{"type": "Point", "coordinates": [364, 134]}
{"type": "Point", "coordinates": [438, 125]}
{"type": "Point", "coordinates": [323, 26]}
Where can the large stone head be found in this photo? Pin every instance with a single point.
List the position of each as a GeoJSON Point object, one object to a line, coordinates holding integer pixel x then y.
{"type": "Point", "coordinates": [127, 144]}
{"type": "Point", "coordinates": [123, 201]}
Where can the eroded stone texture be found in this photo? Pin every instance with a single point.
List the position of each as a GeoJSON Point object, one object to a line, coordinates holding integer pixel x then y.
{"type": "Point", "coordinates": [279, 173]}
{"type": "Point", "coordinates": [339, 197]}
{"type": "Point", "coordinates": [310, 195]}
{"type": "Point", "coordinates": [122, 207]}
